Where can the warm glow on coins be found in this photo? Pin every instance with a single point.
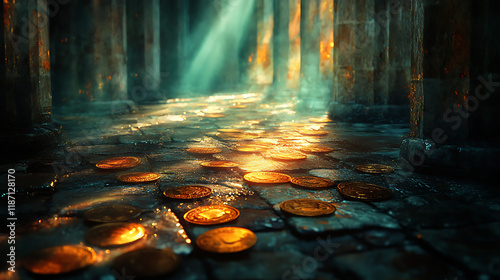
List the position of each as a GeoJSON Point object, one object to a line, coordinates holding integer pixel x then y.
{"type": "Point", "coordinates": [112, 213]}
{"type": "Point", "coordinates": [147, 262]}
{"type": "Point", "coordinates": [267, 177]}
{"type": "Point", "coordinates": [307, 207]}
{"type": "Point", "coordinates": [214, 115]}
{"type": "Point", "coordinates": [315, 149]}
{"type": "Point", "coordinates": [250, 148]}
{"type": "Point", "coordinates": [311, 182]}
{"type": "Point", "coordinates": [60, 259]}
{"type": "Point", "coordinates": [374, 168]}
{"type": "Point", "coordinates": [238, 107]}
{"type": "Point", "coordinates": [118, 163]}
{"type": "Point", "coordinates": [220, 164]}
{"type": "Point", "coordinates": [187, 192]}
{"type": "Point", "coordinates": [139, 177]}
{"type": "Point", "coordinates": [113, 234]}
{"type": "Point", "coordinates": [211, 214]}
{"type": "Point", "coordinates": [363, 191]}
{"type": "Point", "coordinates": [287, 156]}
{"type": "Point", "coordinates": [320, 120]}
{"type": "Point", "coordinates": [239, 136]}
{"type": "Point", "coordinates": [226, 240]}
{"type": "Point", "coordinates": [204, 151]}
{"type": "Point", "coordinates": [312, 132]}
{"type": "Point", "coordinates": [230, 130]}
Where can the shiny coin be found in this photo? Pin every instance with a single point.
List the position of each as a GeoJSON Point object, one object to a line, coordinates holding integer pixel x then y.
{"type": "Point", "coordinates": [374, 168]}
{"type": "Point", "coordinates": [311, 182]}
{"type": "Point", "coordinates": [214, 115]}
{"type": "Point", "coordinates": [315, 149]}
{"type": "Point", "coordinates": [288, 156]}
{"type": "Point", "coordinates": [250, 148]}
{"type": "Point", "coordinates": [211, 215]}
{"type": "Point", "coordinates": [60, 259]}
{"type": "Point", "coordinates": [113, 234]}
{"type": "Point", "coordinates": [220, 164]}
{"type": "Point", "coordinates": [312, 132]}
{"type": "Point", "coordinates": [238, 107]}
{"type": "Point", "coordinates": [243, 136]}
{"type": "Point", "coordinates": [118, 163]}
{"type": "Point", "coordinates": [226, 240]}
{"type": "Point", "coordinates": [267, 177]}
{"type": "Point", "coordinates": [112, 213]}
{"type": "Point", "coordinates": [147, 262]}
{"type": "Point", "coordinates": [230, 130]}
{"type": "Point", "coordinates": [187, 192]}
{"type": "Point", "coordinates": [204, 151]}
{"type": "Point", "coordinates": [320, 120]}
{"type": "Point", "coordinates": [307, 207]}
{"type": "Point", "coordinates": [139, 177]}
{"type": "Point", "coordinates": [364, 191]}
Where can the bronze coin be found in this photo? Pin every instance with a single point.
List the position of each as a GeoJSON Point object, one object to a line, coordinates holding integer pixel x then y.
{"type": "Point", "coordinates": [374, 168]}
{"type": "Point", "coordinates": [113, 234]}
{"type": "Point", "coordinates": [118, 163]}
{"type": "Point", "coordinates": [226, 240]}
{"type": "Point", "coordinates": [60, 259]}
{"type": "Point", "coordinates": [307, 207]}
{"type": "Point", "coordinates": [112, 213]}
{"type": "Point", "coordinates": [288, 156]}
{"type": "Point", "coordinates": [315, 149]}
{"type": "Point", "coordinates": [364, 191]}
{"type": "Point", "coordinates": [311, 182]}
{"type": "Point", "coordinates": [312, 132]}
{"type": "Point", "coordinates": [139, 177]}
{"type": "Point", "coordinates": [219, 164]}
{"type": "Point", "coordinates": [214, 115]}
{"type": "Point", "coordinates": [148, 262]}
{"type": "Point", "coordinates": [204, 151]}
{"type": "Point", "coordinates": [211, 215]}
{"type": "Point", "coordinates": [320, 120]}
{"type": "Point", "coordinates": [187, 192]}
{"type": "Point", "coordinates": [267, 177]}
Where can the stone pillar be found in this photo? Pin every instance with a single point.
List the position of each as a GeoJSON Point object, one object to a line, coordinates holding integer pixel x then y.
{"type": "Point", "coordinates": [26, 86]}
{"type": "Point", "coordinates": [248, 51]}
{"type": "Point", "coordinates": [381, 51]}
{"type": "Point", "coordinates": [143, 50]}
{"type": "Point", "coordinates": [281, 45]}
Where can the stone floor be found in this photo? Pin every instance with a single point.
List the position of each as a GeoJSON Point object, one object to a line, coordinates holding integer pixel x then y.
{"type": "Point", "coordinates": [433, 227]}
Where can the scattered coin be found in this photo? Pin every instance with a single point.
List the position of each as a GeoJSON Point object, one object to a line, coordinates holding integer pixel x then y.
{"type": "Point", "coordinates": [287, 156]}
{"type": "Point", "coordinates": [112, 213]}
{"type": "Point", "coordinates": [230, 130]}
{"type": "Point", "coordinates": [219, 164]}
{"type": "Point", "coordinates": [312, 132]}
{"type": "Point", "coordinates": [239, 136]}
{"type": "Point", "coordinates": [214, 115]}
{"type": "Point", "coordinates": [211, 214]}
{"type": "Point", "coordinates": [311, 182]}
{"type": "Point", "coordinates": [187, 192]}
{"type": "Point", "coordinates": [374, 168]}
{"type": "Point", "coordinates": [226, 240]}
{"type": "Point", "coordinates": [307, 207]}
{"type": "Point", "coordinates": [267, 177]}
{"type": "Point", "coordinates": [364, 191]}
{"type": "Point", "coordinates": [238, 107]}
{"type": "Point", "coordinates": [250, 148]}
{"type": "Point", "coordinates": [204, 151]}
{"type": "Point", "coordinates": [320, 120]}
{"type": "Point", "coordinates": [118, 163]}
{"type": "Point", "coordinates": [60, 259]}
{"type": "Point", "coordinates": [148, 262]}
{"type": "Point", "coordinates": [315, 149]}
{"type": "Point", "coordinates": [139, 177]}
{"type": "Point", "coordinates": [113, 234]}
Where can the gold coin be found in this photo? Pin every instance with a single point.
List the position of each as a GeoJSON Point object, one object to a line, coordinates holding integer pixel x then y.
{"type": "Point", "coordinates": [267, 177]}
{"type": "Point", "coordinates": [320, 120]}
{"type": "Point", "coordinates": [187, 192]}
{"type": "Point", "coordinates": [211, 215]}
{"type": "Point", "coordinates": [60, 259]}
{"type": "Point", "coordinates": [219, 164]}
{"type": "Point", "coordinates": [139, 177]}
{"type": "Point", "coordinates": [113, 234]}
{"type": "Point", "coordinates": [311, 182]}
{"type": "Point", "coordinates": [226, 240]}
{"type": "Point", "coordinates": [214, 115]}
{"type": "Point", "coordinates": [148, 262]}
{"type": "Point", "coordinates": [118, 163]}
{"type": "Point", "coordinates": [312, 149]}
{"type": "Point", "coordinates": [230, 130]}
{"type": "Point", "coordinates": [364, 191]}
{"type": "Point", "coordinates": [307, 207]}
{"type": "Point", "coordinates": [250, 148]}
{"type": "Point", "coordinates": [312, 132]}
{"type": "Point", "coordinates": [204, 151]}
{"type": "Point", "coordinates": [112, 213]}
{"type": "Point", "coordinates": [244, 136]}
{"type": "Point", "coordinates": [238, 107]}
{"type": "Point", "coordinates": [374, 168]}
{"type": "Point", "coordinates": [288, 156]}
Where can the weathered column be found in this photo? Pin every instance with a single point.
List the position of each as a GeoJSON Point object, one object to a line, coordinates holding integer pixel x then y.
{"type": "Point", "coordinates": [143, 50]}
{"type": "Point", "coordinates": [381, 51]}
{"type": "Point", "coordinates": [326, 44]}
{"type": "Point", "coordinates": [281, 45]}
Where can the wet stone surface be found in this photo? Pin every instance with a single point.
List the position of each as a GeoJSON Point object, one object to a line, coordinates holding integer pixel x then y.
{"type": "Point", "coordinates": [433, 227]}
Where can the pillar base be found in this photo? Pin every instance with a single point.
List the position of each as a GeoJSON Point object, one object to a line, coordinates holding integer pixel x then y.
{"type": "Point", "coordinates": [353, 112]}
{"type": "Point", "coordinates": [19, 143]}
{"type": "Point", "coordinates": [460, 160]}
